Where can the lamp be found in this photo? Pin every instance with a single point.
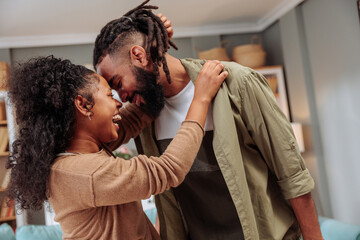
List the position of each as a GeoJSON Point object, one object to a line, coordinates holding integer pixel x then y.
{"type": "Point", "coordinates": [297, 128]}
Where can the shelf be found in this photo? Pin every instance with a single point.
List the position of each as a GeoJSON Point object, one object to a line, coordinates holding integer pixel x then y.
{"type": "Point", "coordinates": [3, 95]}
{"type": "Point", "coordinates": [268, 67]}
{"type": "Point", "coordinates": [4, 154]}
{"type": "Point", "coordinates": [3, 122]}
{"type": "Point", "coordinates": [6, 219]}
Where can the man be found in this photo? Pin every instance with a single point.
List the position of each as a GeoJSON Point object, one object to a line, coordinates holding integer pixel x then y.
{"type": "Point", "coordinates": [249, 180]}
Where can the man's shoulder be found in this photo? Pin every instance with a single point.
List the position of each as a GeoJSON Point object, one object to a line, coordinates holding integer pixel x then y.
{"type": "Point", "coordinates": [236, 71]}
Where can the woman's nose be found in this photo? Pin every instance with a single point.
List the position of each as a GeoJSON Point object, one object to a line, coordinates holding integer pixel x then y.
{"type": "Point", "coordinates": [118, 104]}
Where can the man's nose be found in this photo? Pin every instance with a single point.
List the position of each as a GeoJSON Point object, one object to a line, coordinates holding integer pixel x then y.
{"type": "Point", "coordinates": [124, 95]}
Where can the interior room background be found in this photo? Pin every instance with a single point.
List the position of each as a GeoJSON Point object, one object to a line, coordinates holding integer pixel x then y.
{"type": "Point", "coordinates": [318, 44]}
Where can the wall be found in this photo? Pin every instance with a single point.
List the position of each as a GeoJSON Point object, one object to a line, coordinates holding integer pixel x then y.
{"type": "Point", "coordinates": [273, 45]}
{"type": "Point", "coordinates": [334, 55]}
{"type": "Point", "coordinates": [322, 59]}
{"type": "Point", "coordinates": [5, 56]}
{"type": "Point", "coordinates": [78, 54]}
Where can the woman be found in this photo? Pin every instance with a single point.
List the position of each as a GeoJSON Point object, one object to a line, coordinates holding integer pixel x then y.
{"type": "Point", "coordinates": [65, 114]}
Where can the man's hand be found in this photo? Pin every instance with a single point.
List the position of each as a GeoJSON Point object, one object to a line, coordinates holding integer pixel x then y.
{"type": "Point", "coordinates": [167, 24]}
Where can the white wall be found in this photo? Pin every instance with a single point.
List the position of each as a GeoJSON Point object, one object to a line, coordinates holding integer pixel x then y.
{"type": "Point", "coordinates": [330, 69]}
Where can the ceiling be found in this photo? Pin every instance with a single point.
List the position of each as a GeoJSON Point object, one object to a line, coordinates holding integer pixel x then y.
{"type": "Point", "coordinates": [30, 23]}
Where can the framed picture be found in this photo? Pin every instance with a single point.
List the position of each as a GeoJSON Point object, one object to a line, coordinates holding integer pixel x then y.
{"type": "Point", "coordinates": [358, 7]}
{"type": "Point", "coordinates": [275, 76]}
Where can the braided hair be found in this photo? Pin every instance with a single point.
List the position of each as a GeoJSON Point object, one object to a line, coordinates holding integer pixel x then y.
{"type": "Point", "coordinates": [42, 91]}
{"type": "Point", "coordinates": [113, 36]}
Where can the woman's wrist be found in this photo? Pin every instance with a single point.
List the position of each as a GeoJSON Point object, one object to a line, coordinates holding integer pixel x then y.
{"type": "Point", "coordinates": [202, 100]}
{"type": "Point", "coordinates": [198, 111]}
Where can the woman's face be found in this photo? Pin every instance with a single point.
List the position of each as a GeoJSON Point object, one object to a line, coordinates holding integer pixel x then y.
{"type": "Point", "coordinates": [105, 111]}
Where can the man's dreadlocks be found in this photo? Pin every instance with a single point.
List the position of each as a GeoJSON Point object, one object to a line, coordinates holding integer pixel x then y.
{"type": "Point", "coordinates": [140, 19]}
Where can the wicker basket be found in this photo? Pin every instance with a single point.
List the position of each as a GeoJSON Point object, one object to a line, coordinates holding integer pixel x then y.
{"type": "Point", "coordinates": [252, 47]}
{"type": "Point", "coordinates": [218, 53]}
{"type": "Point", "coordinates": [251, 59]}
{"type": "Point", "coordinates": [4, 75]}
{"type": "Point", "coordinates": [251, 55]}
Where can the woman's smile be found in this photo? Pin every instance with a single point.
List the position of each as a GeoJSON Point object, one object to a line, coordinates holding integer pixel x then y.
{"type": "Point", "coordinates": [116, 118]}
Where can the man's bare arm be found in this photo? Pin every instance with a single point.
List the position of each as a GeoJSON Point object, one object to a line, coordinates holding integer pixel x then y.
{"type": "Point", "coordinates": [304, 208]}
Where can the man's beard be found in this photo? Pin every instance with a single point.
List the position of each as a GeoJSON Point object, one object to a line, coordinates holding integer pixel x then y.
{"type": "Point", "coordinates": [151, 92]}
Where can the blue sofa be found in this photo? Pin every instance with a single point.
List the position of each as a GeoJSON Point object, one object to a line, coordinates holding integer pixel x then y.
{"type": "Point", "coordinates": [330, 228]}
{"type": "Point", "coordinates": [31, 232]}
{"type": "Point", "coordinates": [42, 232]}
{"type": "Point", "coordinates": [336, 230]}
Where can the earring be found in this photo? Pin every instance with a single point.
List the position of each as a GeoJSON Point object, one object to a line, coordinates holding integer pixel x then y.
{"type": "Point", "coordinates": [88, 114]}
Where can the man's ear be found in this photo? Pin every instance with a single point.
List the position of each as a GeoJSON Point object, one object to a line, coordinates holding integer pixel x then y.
{"type": "Point", "coordinates": [138, 56]}
{"type": "Point", "coordinates": [81, 105]}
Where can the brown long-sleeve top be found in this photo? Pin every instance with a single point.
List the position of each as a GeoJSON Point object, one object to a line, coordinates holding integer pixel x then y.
{"type": "Point", "coordinates": [97, 196]}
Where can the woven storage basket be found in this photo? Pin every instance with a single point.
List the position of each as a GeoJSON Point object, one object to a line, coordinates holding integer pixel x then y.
{"type": "Point", "coordinates": [218, 53]}
{"type": "Point", "coordinates": [251, 59]}
{"type": "Point", "coordinates": [4, 75]}
{"type": "Point", "coordinates": [251, 55]}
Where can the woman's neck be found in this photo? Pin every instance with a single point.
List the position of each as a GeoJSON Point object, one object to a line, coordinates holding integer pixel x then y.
{"type": "Point", "coordinates": [83, 145]}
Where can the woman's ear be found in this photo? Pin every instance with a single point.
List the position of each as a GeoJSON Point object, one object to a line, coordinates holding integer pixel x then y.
{"type": "Point", "coordinates": [138, 56]}
{"type": "Point", "coordinates": [81, 104]}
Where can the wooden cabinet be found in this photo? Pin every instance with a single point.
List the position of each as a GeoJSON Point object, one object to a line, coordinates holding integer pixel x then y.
{"type": "Point", "coordinates": [7, 214]}
{"type": "Point", "coordinates": [7, 137]}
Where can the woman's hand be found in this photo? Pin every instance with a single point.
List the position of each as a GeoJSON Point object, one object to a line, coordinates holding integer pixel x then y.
{"type": "Point", "coordinates": [209, 80]}
{"type": "Point", "coordinates": [207, 84]}
{"type": "Point", "coordinates": [167, 24]}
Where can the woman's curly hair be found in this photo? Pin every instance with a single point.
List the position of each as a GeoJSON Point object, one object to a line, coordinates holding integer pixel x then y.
{"type": "Point", "coordinates": [42, 92]}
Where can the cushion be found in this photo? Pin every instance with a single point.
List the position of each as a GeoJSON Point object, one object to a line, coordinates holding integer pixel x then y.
{"type": "Point", "coordinates": [6, 232]}
{"type": "Point", "coordinates": [336, 230]}
{"type": "Point", "coordinates": [39, 232]}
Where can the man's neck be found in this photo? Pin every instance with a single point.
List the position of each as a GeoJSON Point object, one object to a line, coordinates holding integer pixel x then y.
{"type": "Point", "coordinates": [178, 74]}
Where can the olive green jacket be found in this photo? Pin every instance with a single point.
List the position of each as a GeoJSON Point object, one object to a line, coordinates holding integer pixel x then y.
{"type": "Point", "coordinates": [257, 153]}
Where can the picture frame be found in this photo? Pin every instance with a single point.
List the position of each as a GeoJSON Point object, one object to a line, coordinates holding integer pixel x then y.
{"type": "Point", "coordinates": [358, 7]}
{"type": "Point", "coordinates": [275, 76]}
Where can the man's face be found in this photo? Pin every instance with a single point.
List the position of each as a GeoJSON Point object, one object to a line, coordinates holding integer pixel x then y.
{"type": "Point", "coordinates": [133, 84]}
{"type": "Point", "coordinates": [151, 92]}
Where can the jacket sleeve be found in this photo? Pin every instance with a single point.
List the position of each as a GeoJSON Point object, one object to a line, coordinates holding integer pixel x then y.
{"type": "Point", "coordinates": [120, 181]}
{"type": "Point", "coordinates": [133, 120]}
{"type": "Point", "coordinates": [273, 135]}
